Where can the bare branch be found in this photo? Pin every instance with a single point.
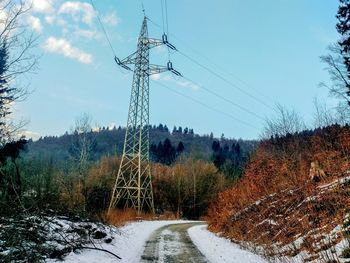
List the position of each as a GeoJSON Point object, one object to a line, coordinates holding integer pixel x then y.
{"type": "Point", "coordinates": [338, 73]}
{"type": "Point", "coordinates": [285, 122]}
{"type": "Point", "coordinates": [16, 59]}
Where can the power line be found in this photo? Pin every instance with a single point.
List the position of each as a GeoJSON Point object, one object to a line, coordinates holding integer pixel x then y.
{"type": "Point", "coordinates": [225, 99]}
{"type": "Point", "coordinates": [166, 16]}
{"type": "Point", "coordinates": [208, 90]}
{"type": "Point", "coordinates": [216, 74]}
{"type": "Point", "coordinates": [167, 24]}
{"type": "Point", "coordinates": [103, 28]}
{"type": "Point", "coordinates": [225, 80]}
{"type": "Point", "coordinates": [223, 69]}
{"type": "Point", "coordinates": [162, 6]}
{"type": "Point", "coordinates": [143, 8]}
{"type": "Point", "coordinates": [205, 105]}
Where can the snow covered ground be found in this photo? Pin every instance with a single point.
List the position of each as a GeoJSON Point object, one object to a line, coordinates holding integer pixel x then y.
{"type": "Point", "coordinates": [129, 243]}
{"type": "Point", "coordinates": [218, 250]}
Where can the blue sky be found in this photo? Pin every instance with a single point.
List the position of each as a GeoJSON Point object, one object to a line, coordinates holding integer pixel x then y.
{"type": "Point", "coordinates": [270, 49]}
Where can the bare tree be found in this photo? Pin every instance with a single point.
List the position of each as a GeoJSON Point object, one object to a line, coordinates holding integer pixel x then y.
{"type": "Point", "coordinates": [343, 113]}
{"type": "Point", "coordinates": [285, 122]}
{"type": "Point", "coordinates": [16, 59]}
{"type": "Point", "coordinates": [338, 74]}
{"type": "Point", "coordinates": [325, 116]}
{"type": "Point", "coordinates": [83, 143]}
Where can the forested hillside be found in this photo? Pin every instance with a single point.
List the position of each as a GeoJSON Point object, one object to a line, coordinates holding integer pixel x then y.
{"type": "Point", "coordinates": [109, 141]}
{"type": "Point", "coordinates": [74, 173]}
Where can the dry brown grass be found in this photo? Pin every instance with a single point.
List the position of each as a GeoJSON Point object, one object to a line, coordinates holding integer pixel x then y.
{"type": "Point", "coordinates": [119, 217]}
{"type": "Point", "coordinates": [168, 216]}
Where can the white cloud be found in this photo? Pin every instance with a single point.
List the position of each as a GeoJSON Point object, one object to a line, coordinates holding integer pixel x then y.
{"type": "Point", "coordinates": [79, 11]}
{"type": "Point", "coordinates": [170, 78]}
{"type": "Point", "coordinates": [112, 125]}
{"type": "Point", "coordinates": [35, 24]}
{"type": "Point", "coordinates": [42, 6]}
{"type": "Point", "coordinates": [64, 47]}
{"type": "Point", "coordinates": [187, 84]}
{"type": "Point", "coordinates": [155, 77]}
{"type": "Point", "coordinates": [167, 77]}
{"type": "Point", "coordinates": [89, 34]}
{"type": "Point", "coordinates": [61, 22]}
{"type": "Point", "coordinates": [3, 17]}
{"type": "Point", "coordinates": [30, 135]}
{"type": "Point", "coordinates": [50, 19]}
{"type": "Point", "coordinates": [110, 19]}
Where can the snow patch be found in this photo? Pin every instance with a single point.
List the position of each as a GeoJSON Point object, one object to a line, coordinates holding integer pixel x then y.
{"type": "Point", "coordinates": [218, 250]}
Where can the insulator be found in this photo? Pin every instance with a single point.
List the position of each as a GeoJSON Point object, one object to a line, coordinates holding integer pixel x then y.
{"type": "Point", "coordinates": [170, 66]}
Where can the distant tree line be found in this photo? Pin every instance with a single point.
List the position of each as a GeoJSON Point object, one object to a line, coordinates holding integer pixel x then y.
{"type": "Point", "coordinates": [108, 141]}
{"type": "Point", "coordinates": [165, 152]}
{"type": "Point", "coordinates": [229, 160]}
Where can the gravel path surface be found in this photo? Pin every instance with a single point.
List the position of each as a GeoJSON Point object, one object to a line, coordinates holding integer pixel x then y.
{"type": "Point", "coordinates": [172, 244]}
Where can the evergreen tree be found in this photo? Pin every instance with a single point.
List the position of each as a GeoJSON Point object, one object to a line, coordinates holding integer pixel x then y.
{"type": "Point", "coordinates": [164, 153]}
{"type": "Point", "coordinates": [343, 27]}
{"type": "Point", "coordinates": [211, 136]}
{"type": "Point", "coordinates": [180, 148]}
{"type": "Point", "coordinates": [215, 146]}
{"type": "Point", "coordinates": [166, 129]}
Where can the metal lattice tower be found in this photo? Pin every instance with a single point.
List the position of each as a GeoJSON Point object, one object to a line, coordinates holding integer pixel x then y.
{"type": "Point", "coordinates": [133, 185]}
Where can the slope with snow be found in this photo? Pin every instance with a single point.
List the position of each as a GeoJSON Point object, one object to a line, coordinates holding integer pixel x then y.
{"type": "Point", "coordinates": [220, 250]}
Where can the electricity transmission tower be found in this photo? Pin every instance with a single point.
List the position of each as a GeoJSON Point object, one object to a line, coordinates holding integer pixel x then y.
{"type": "Point", "coordinates": [133, 186]}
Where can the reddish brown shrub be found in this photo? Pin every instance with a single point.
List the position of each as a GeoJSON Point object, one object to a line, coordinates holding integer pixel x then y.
{"type": "Point", "coordinates": [276, 202]}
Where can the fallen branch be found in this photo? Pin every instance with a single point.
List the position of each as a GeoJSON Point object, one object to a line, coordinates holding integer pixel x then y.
{"type": "Point", "coordinates": [100, 249]}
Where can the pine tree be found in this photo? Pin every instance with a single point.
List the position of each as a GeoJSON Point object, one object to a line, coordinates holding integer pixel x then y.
{"type": "Point", "coordinates": [343, 27]}
{"type": "Point", "coordinates": [180, 148]}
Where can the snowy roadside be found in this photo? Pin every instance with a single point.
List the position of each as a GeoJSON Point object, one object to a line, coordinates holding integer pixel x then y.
{"type": "Point", "coordinates": [128, 243]}
{"type": "Point", "coordinates": [218, 250]}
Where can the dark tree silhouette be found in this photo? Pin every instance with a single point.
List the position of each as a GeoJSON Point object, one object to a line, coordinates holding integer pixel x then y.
{"type": "Point", "coordinates": [215, 146]}
{"type": "Point", "coordinates": [165, 152]}
{"type": "Point", "coordinates": [343, 27]}
{"type": "Point", "coordinates": [230, 161]}
{"type": "Point", "coordinates": [180, 148]}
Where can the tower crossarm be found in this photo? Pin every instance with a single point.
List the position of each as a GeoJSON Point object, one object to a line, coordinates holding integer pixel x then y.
{"type": "Point", "coordinates": [151, 42]}
{"type": "Point", "coordinates": [154, 42]}
{"type": "Point", "coordinates": [155, 69]}
{"type": "Point", "coordinates": [129, 60]}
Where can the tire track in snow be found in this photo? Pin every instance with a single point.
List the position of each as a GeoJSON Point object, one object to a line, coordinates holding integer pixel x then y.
{"type": "Point", "coordinates": [170, 244]}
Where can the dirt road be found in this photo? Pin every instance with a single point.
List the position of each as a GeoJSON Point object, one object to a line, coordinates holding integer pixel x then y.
{"type": "Point", "coordinates": [172, 244]}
